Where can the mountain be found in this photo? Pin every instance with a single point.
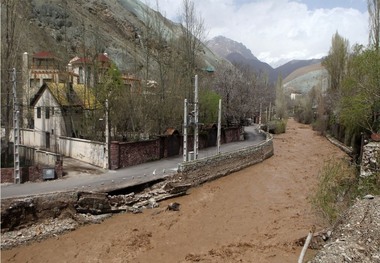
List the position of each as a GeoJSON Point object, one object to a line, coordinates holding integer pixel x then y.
{"type": "Point", "coordinates": [305, 78]}
{"type": "Point", "coordinates": [238, 53]}
{"type": "Point", "coordinates": [81, 27]}
{"type": "Point", "coordinates": [293, 65]}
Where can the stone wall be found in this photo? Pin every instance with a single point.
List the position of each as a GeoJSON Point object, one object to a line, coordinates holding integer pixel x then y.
{"type": "Point", "coordinates": [211, 168]}
{"type": "Point", "coordinates": [370, 159]}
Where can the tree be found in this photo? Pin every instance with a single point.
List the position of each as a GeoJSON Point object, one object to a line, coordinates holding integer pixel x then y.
{"type": "Point", "coordinates": [10, 58]}
{"type": "Point", "coordinates": [360, 104]}
{"type": "Point", "coordinates": [193, 31]}
{"type": "Point", "coordinates": [281, 107]}
{"type": "Point", "coordinates": [336, 60]}
{"type": "Point", "coordinates": [374, 23]}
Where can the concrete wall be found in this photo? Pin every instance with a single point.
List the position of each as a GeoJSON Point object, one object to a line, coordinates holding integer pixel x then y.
{"type": "Point", "coordinates": [210, 168]}
{"type": "Point", "coordinates": [85, 150]}
{"type": "Point", "coordinates": [31, 138]}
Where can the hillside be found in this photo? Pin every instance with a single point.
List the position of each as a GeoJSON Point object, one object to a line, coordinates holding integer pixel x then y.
{"type": "Point", "coordinates": [305, 78]}
{"type": "Point", "coordinates": [79, 28]}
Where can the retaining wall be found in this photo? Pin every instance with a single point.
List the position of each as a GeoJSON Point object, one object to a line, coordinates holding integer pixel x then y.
{"type": "Point", "coordinates": [211, 168]}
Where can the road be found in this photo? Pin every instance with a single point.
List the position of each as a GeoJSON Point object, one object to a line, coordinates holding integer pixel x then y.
{"type": "Point", "coordinates": [122, 178]}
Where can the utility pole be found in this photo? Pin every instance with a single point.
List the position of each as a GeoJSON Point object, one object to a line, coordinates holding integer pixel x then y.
{"type": "Point", "coordinates": [270, 111]}
{"type": "Point", "coordinates": [16, 132]}
{"type": "Point", "coordinates": [185, 131]}
{"type": "Point", "coordinates": [106, 149]}
{"type": "Point", "coordinates": [196, 129]}
{"type": "Point", "coordinates": [219, 125]}
{"type": "Point", "coordinates": [260, 114]}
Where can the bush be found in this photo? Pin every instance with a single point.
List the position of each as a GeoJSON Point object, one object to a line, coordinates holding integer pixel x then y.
{"type": "Point", "coordinates": [276, 126]}
{"type": "Point", "coordinates": [334, 190]}
{"type": "Point", "coordinates": [339, 185]}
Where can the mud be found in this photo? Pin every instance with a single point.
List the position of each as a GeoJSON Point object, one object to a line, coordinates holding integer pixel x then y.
{"type": "Point", "coordinates": [254, 215]}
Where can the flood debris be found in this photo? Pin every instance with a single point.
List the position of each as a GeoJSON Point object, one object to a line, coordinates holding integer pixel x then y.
{"type": "Point", "coordinates": [173, 206]}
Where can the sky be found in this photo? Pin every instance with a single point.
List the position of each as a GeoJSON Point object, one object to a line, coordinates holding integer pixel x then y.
{"type": "Point", "coordinates": [277, 31]}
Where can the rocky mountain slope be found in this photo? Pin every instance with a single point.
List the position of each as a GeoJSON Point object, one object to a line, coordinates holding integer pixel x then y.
{"type": "Point", "coordinates": [81, 27]}
{"type": "Point", "coordinates": [305, 78]}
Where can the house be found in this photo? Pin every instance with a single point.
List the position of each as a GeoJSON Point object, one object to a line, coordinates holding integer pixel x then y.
{"type": "Point", "coordinates": [89, 71]}
{"type": "Point", "coordinates": [59, 109]}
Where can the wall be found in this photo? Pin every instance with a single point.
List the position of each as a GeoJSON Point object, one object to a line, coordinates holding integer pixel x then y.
{"type": "Point", "coordinates": [30, 174]}
{"type": "Point", "coordinates": [85, 150]}
{"type": "Point", "coordinates": [31, 138]}
{"type": "Point", "coordinates": [370, 159]}
{"type": "Point", "coordinates": [210, 168]}
{"type": "Point", "coordinates": [7, 175]}
{"type": "Point", "coordinates": [124, 154]}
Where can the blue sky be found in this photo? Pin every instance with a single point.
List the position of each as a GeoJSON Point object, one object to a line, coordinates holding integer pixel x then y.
{"type": "Point", "coordinates": [277, 31]}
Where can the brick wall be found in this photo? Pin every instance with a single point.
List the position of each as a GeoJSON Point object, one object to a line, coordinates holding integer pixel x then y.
{"type": "Point", "coordinates": [231, 135]}
{"type": "Point", "coordinates": [29, 174]}
{"type": "Point", "coordinates": [124, 154]}
{"type": "Point", "coordinates": [7, 175]}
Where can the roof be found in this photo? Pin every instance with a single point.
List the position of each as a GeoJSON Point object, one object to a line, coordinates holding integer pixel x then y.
{"type": "Point", "coordinates": [69, 95]}
{"type": "Point", "coordinates": [101, 58]}
{"type": "Point", "coordinates": [44, 54]}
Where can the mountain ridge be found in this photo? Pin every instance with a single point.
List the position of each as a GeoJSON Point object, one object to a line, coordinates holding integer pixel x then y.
{"type": "Point", "coordinates": [236, 52]}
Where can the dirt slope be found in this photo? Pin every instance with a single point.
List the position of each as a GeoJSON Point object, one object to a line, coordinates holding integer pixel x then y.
{"type": "Point", "coordinates": [254, 215]}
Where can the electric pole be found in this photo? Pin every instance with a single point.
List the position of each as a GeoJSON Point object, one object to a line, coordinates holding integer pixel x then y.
{"type": "Point", "coordinates": [106, 149]}
{"type": "Point", "coordinates": [196, 129]}
{"type": "Point", "coordinates": [185, 131]}
{"type": "Point", "coordinates": [219, 125]}
{"type": "Point", "coordinates": [16, 132]}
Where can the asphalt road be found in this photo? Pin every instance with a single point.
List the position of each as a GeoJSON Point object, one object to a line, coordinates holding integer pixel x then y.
{"type": "Point", "coordinates": [118, 179]}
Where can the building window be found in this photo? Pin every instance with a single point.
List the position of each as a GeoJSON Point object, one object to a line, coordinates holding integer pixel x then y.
{"type": "Point", "coordinates": [47, 112]}
{"type": "Point", "coordinates": [39, 112]}
{"type": "Point", "coordinates": [81, 77]}
{"type": "Point", "coordinates": [52, 131]}
{"type": "Point", "coordinates": [52, 111]}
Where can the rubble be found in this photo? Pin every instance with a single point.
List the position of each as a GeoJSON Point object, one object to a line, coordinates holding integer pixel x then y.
{"type": "Point", "coordinates": [356, 238]}
{"type": "Point", "coordinates": [89, 207]}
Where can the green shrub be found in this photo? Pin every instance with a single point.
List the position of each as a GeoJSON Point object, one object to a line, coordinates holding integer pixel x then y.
{"type": "Point", "coordinates": [277, 126]}
{"type": "Point", "coordinates": [335, 189]}
{"type": "Point", "coordinates": [339, 185]}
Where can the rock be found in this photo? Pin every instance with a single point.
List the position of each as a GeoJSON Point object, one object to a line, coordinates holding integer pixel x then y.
{"type": "Point", "coordinates": [368, 197]}
{"type": "Point", "coordinates": [173, 206]}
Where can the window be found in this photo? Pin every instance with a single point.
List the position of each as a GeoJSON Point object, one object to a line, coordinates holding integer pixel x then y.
{"type": "Point", "coordinates": [81, 77]}
{"type": "Point", "coordinates": [39, 112]}
{"type": "Point", "coordinates": [47, 112]}
{"type": "Point", "coordinates": [52, 131]}
{"type": "Point", "coordinates": [52, 111]}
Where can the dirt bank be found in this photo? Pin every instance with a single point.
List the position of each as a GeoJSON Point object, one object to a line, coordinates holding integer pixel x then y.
{"type": "Point", "coordinates": [254, 215]}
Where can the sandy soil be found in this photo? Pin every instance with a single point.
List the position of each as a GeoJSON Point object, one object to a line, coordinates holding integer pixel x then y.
{"type": "Point", "coordinates": [254, 215]}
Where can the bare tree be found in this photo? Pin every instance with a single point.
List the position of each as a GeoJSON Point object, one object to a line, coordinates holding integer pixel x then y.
{"type": "Point", "coordinates": [10, 58]}
{"type": "Point", "coordinates": [281, 107]}
{"type": "Point", "coordinates": [374, 22]}
{"type": "Point", "coordinates": [193, 33]}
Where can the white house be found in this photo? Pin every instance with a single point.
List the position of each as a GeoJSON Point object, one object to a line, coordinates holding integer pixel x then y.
{"type": "Point", "coordinates": [58, 111]}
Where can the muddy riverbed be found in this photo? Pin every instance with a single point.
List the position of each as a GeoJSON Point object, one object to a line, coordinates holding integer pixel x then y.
{"type": "Point", "coordinates": [254, 215]}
